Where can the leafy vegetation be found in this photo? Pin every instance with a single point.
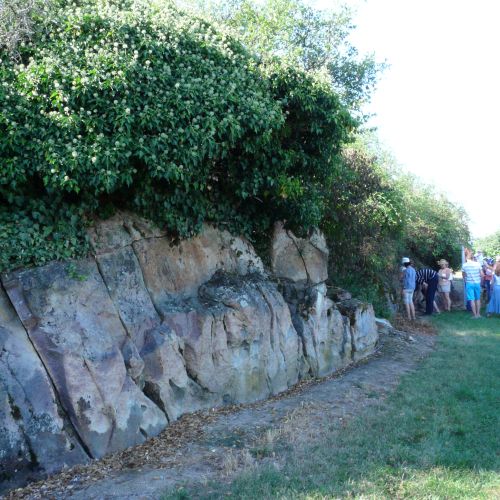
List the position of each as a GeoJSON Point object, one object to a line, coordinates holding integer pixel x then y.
{"type": "Point", "coordinates": [136, 104]}
{"type": "Point", "coordinates": [376, 214]}
{"type": "Point", "coordinates": [490, 245]}
{"type": "Point", "coordinates": [240, 120]}
{"type": "Point", "coordinates": [435, 437]}
{"type": "Point", "coordinates": [296, 33]}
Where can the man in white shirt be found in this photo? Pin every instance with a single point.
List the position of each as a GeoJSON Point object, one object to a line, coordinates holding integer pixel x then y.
{"type": "Point", "coordinates": [473, 273]}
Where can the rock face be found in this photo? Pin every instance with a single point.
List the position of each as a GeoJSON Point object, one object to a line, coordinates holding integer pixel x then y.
{"type": "Point", "coordinates": [334, 329]}
{"type": "Point", "coordinates": [73, 325]}
{"type": "Point", "coordinates": [364, 332]}
{"type": "Point", "coordinates": [297, 259]}
{"type": "Point", "coordinates": [99, 354]}
{"type": "Point", "coordinates": [35, 436]}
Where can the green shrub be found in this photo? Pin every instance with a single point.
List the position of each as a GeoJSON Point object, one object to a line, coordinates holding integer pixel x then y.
{"type": "Point", "coordinates": [38, 232]}
{"type": "Point", "coordinates": [490, 245]}
{"type": "Point", "coordinates": [135, 104]}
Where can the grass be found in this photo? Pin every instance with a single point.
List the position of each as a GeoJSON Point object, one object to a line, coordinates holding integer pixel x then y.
{"type": "Point", "coordinates": [437, 436]}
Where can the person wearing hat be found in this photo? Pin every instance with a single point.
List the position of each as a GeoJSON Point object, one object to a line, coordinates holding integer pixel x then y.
{"type": "Point", "coordinates": [444, 284]}
{"type": "Point", "coordinates": [408, 283]}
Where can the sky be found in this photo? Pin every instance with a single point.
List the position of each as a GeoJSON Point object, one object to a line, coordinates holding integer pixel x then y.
{"type": "Point", "coordinates": [437, 106]}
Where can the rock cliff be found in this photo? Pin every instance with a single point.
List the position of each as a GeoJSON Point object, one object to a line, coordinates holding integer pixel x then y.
{"type": "Point", "coordinates": [99, 354]}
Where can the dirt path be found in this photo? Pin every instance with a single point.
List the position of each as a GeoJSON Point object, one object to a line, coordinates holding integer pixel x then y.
{"type": "Point", "coordinates": [215, 445]}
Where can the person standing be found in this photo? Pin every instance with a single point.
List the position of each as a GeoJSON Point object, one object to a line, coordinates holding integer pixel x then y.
{"type": "Point", "coordinates": [430, 278]}
{"type": "Point", "coordinates": [409, 280]}
{"type": "Point", "coordinates": [494, 303]}
{"type": "Point", "coordinates": [444, 285]}
{"type": "Point", "coordinates": [479, 257]}
{"type": "Point", "coordinates": [473, 274]}
{"type": "Point", "coordinates": [488, 277]}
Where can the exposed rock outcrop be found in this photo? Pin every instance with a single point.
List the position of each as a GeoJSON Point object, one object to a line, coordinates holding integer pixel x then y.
{"type": "Point", "coordinates": [335, 330]}
{"type": "Point", "coordinates": [300, 260]}
{"type": "Point", "coordinates": [73, 325]}
{"type": "Point", "coordinates": [99, 354]}
{"type": "Point", "coordinates": [364, 332]}
{"type": "Point", "coordinates": [35, 436]}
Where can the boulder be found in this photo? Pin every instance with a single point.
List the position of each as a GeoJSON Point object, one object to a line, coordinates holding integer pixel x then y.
{"type": "Point", "coordinates": [34, 435]}
{"type": "Point", "coordinates": [166, 380]}
{"type": "Point", "coordinates": [338, 294]}
{"type": "Point", "coordinates": [324, 332]}
{"type": "Point", "coordinates": [77, 333]}
{"type": "Point", "coordinates": [457, 294]}
{"type": "Point", "coordinates": [364, 331]}
{"type": "Point", "coordinates": [299, 260]}
{"type": "Point", "coordinates": [384, 326]}
{"type": "Point", "coordinates": [239, 341]}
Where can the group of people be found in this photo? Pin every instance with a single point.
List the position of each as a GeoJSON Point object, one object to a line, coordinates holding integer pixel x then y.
{"type": "Point", "coordinates": [429, 281]}
{"type": "Point", "coordinates": [477, 272]}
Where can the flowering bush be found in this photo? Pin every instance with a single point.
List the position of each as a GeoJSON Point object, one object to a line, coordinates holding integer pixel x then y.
{"type": "Point", "coordinates": [130, 103]}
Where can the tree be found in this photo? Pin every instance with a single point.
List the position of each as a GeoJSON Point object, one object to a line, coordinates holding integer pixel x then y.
{"type": "Point", "coordinates": [490, 245]}
{"type": "Point", "coordinates": [317, 41]}
{"type": "Point", "coordinates": [17, 18]}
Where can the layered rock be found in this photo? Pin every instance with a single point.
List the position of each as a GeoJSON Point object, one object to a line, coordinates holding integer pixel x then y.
{"type": "Point", "coordinates": [73, 325]}
{"type": "Point", "coordinates": [35, 436]}
{"type": "Point", "coordinates": [364, 331]}
{"type": "Point", "coordinates": [99, 354]}
{"type": "Point", "coordinates": [334, 329]}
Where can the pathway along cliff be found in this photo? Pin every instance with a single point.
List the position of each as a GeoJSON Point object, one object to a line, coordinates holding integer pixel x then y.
{"type": "Point", "coordinates": [218, 444]}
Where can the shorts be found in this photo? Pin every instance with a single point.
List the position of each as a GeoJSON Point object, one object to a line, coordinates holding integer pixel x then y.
{"type": "Point", "coordinates": [407, 296]}
{"type": "Point", "coordinates": [445, 288]}
{"type": "Point", "coordinates": [473, 291]}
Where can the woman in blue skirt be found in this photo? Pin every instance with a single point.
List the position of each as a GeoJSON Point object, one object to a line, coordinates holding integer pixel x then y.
{"type": "Point", "coordinates": [494, 304]}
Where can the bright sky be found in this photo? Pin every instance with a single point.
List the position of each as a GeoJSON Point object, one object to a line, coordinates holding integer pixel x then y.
{"type": "Point", "coordinates": [438, 104]}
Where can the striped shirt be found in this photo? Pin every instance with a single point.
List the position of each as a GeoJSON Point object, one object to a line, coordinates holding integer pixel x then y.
{"type": "Point", "coordinates": [426, 275]}
{"type": "Point", "coordinates": [472, 271]}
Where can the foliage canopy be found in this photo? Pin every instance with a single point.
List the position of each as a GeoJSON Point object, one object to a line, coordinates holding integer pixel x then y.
{"type": "Point", "coordinates": [292, 31]}
{"type": "Point", "coordinates": [136, 104]}
{"type": "Point", "coordinates": [490, 245]}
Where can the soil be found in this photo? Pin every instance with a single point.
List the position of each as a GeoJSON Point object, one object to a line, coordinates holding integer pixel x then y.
{"type": "Point", "coordinates": [215, 445]}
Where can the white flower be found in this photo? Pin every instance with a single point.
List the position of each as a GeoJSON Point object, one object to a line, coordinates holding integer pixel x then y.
{"type": "Point", "coordinates": [127, 111]}
{"type": "Point", "coordinates": [74, 154]}
{"type": "Point", "coordinates": [93, 159]}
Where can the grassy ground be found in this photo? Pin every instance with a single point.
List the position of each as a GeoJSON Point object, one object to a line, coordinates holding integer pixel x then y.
{"type": "Point", "coordinates": [437, 436]}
